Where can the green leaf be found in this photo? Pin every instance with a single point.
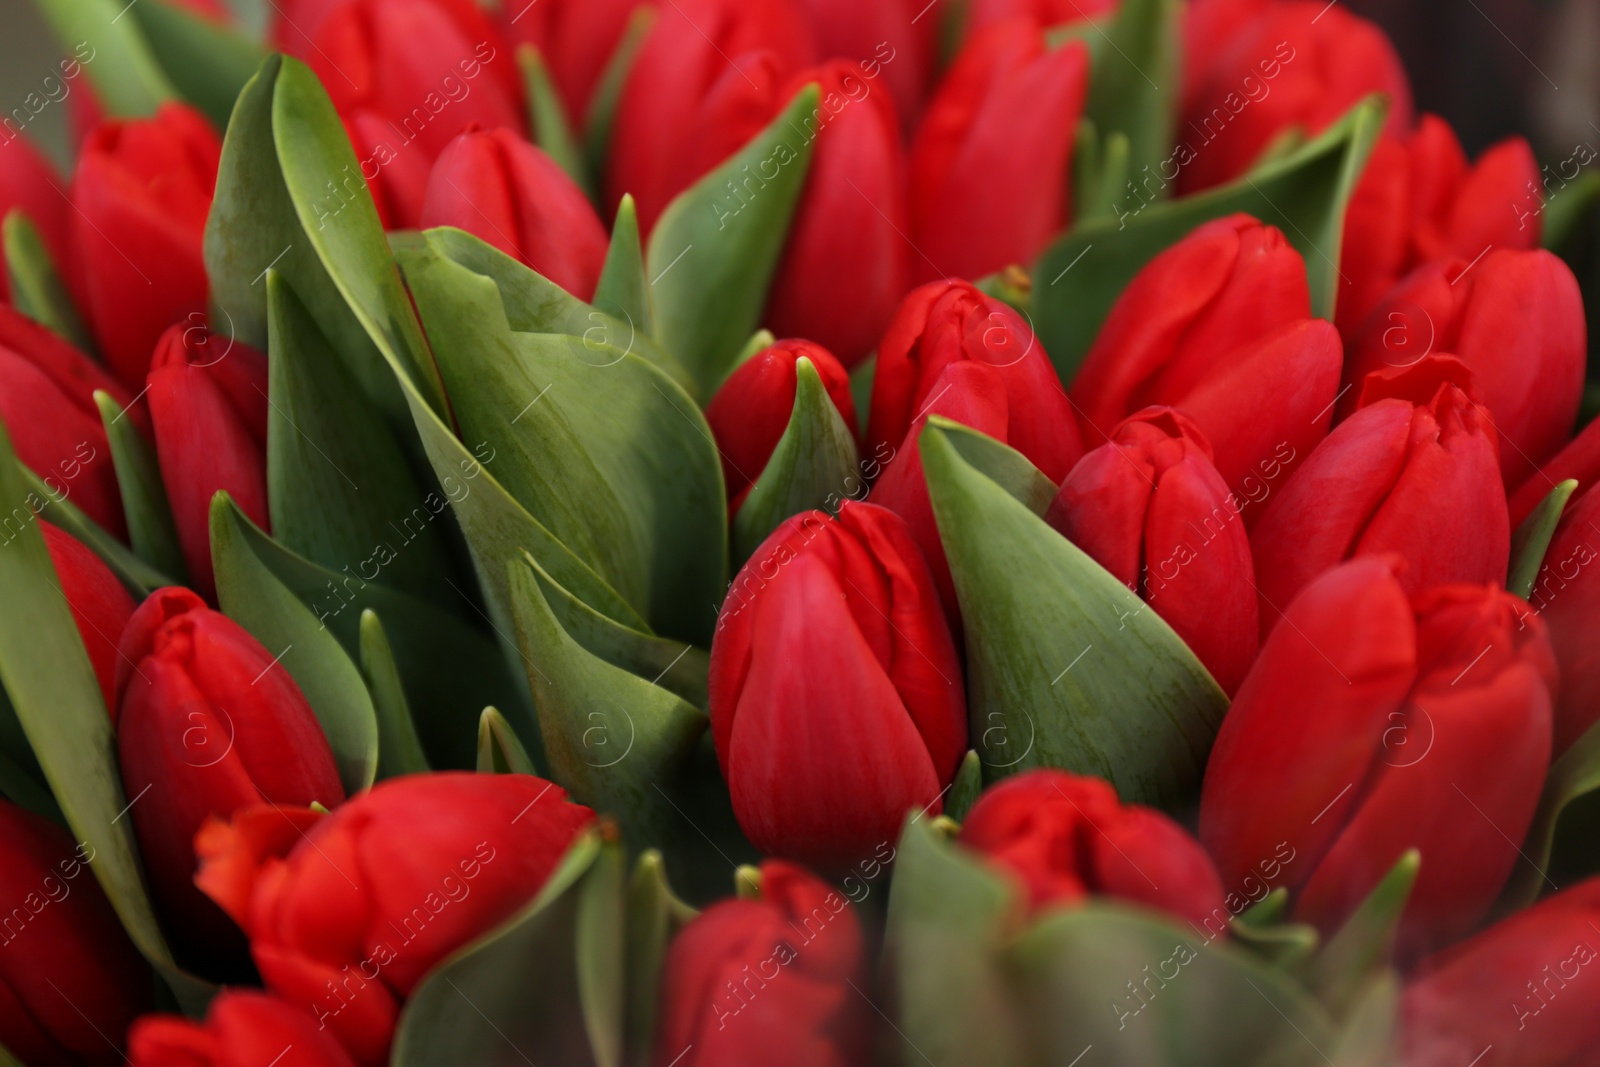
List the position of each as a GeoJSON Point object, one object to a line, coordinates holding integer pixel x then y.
{"type": "Point", "coordinates": [399, 749]}
{"type": "Point", "coordinates": [810, 468]}
{"type": "Point", "coordinates": [206, 60]}
{"type": "Point", "coordinates": [608, 91]}
{"type": "Point", "coordinates": [1066, 667]}
{"type": "Point", "coordinates": [966, 788]}
{"type": "Point", "coordinates": [252, 596]}
{"type": "Point", "coordinates": [523, 993]}
{"type": "Point", "coordinates": [1370, 1030]}
{"type": "Point", "coordinates": [151, 527]}
{"type": "Point", "coordinates": [1362, 948]}
{"type": "Point", "coordinates": [340, 491]}
{"type": "Point", "coordinates": [1286, 945]}
{"type": "Point", "coordinates": [602, 949]}
{"type": "Point", "coordinates": [1567, 208]}
{"type": "Point", "coordinates": [499, 751]}
{"type": "Point", "coordinates": [715, 249]}
{"type": "Point", "coordinates": [655, 915]}
{"type": "Point", "coordinates": [551, 131]}
{"type": "Point", "coordinates": [36, 286]}
{"type": "Point", "coordinates": [598, 445]}
{"type": "Point", "coordinates": [1134, 85]}
{"type": "Point", "coordinates": [1572, 783]}
{"type": "Point", "coordinates": [127, 80]}
{"type": "Point", "coordinates": [1533, 537]}
{"type": "Point", "coordinates": [138, 576]}
{"type": "Point", "coordinates": [624, 289]}
{"type": "Point", "coordinates": [1304, 195]}
{"type": "Point", "coordinates": [1000, 463]}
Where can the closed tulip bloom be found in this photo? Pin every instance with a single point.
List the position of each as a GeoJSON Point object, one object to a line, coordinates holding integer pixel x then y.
{"type": "Point", "coordinates": [705, 81]}
{"type": "Point", "coordinates": [70, 980]}
{"type": "Point", "coordinates": [47, 404]}
{"type": "Point", "coordinates": [1523, 993]}
{"type": "Point", "coordinates": [29, 183]}
{"type": "Point", "coordinates": [846, 265]}
{"type": "Point", "coordinates": [1069, 838]}
{"type": "Point", "coordinates": [751, 410]}
{"type": "Point", "coordinates": [767, 981]}
{"type": "Point", "coordinates": [142, 192]}
{"type": "Point", "coordinates": [1375, 722]}
{"type": "Point", "coordinates": [1208, 28]}
{"type": "Point", "coordinates": [209, 722]}
{"type": "Point", "coordinates": [992, 159]}
{"type": "Point", "coordinates": [1150, 507]}
{"type": "Point", "coordinates": [1291, 71]}
{"type": "Point", "coordinates": [1566, 595]}
{"type": "Point", "coordinates": [1413, 473]}
{"type": "Point", "coordinates": [401, 178]}
{"type": "Point", "coordinates": [208, 401]}
{"type": "Point", "coordinates": [577, 39]}
{"type": "Point", "coordinates": [835, 689]}
{"type": "Point", "coordinates": [1420, 200]}
{"type": "Point", "coordinates": [100, 605]}
{"type": "Point", "coordinates": [889, 38]}
{"type": "Point", "coordinates": [497, 185]}
{"type": "Point", "coordinates": [241, 1029]}
{"type": "Point", "coordinates": [348, 913]}
{"type": "Point", "coordinates": [1219, 325]}
{"type": "Point", "coordinates": [1516, 319]}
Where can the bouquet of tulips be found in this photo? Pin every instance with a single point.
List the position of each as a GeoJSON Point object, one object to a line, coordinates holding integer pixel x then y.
{"type": "Point", "coordinates": [719, 533]}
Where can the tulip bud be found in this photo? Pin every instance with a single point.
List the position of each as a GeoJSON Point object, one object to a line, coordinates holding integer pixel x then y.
{"type": "Point", "coordinates": [1522, 993]}
{"type": "Point", "coordinates": [1150, 507]}
{"type": "Point", "coordinates": [789, 959]}
{"type": "Point", "coordinates": [400, 181]}
{"type": "Point", "coordinates": [1566, 595]}
{"type": "Point", "coordinates": [833, 631]}
{"type": "Point", "coordinates": [70, 979]}
{"type": "Point", "coordinates": [1516, 319]}
{"type": "Point", "coordinates": [1069, 838]}
{"type": "Point", "coordinates": [889, 38]}
{"type": "Point", "coordinates": [1219, 325]}
{"type": "Point", "coordinates": [242, 1029]}
{"type": "Point", "coordinates": [29, 183]}
{"type": "Point", "coordinates": [47, 404]}
{"type": "Point", "coordinates": [751, 410]}
{"type": "Point", "coordinates": [705, 82]}
{"type": "Point", "coordinates": [100, 605]}
{"type": "Point", "coordinates": [845, 267]}
{"type": "Point", "coordinates": [208, 400]}
{"type": "Point", "coordinates": [349, 913]}
{"type": "Point", "coordinates": [992, 160]}
{"type": "Point", "coordinates": [210, 722]}
{"type": "Point", "coordinates": [496, 185]}
{"type": "Point", "coordinates": [1372, 724]}
{"type": "Point", "coordinates": [577, 39]}
{"type": "Point", "coordinates": [1419, 200]}
{"type": "Point", "coordinates": [142, 192]}
{"type": "Point", "coordinates": [1290, 71]}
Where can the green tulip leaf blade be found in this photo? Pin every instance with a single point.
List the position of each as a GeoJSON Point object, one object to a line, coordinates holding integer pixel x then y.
{"type": "Point", "coordinates": [499, 749]}
{"type": "Point", "coordinates": [127, 80]}
{"type": "Point", "coordinates": [654, 917]}
{"type": "Point", "coordinates": [206, 60]}
{"type": "Point", "coordinates": [602, 949]}
{"type": "Point", "coordinates": [37, 289]}
{"type": "Point", "coordinates": [138, 576]}
{"type": "Point", "coordinates": [253, 596]}
{"type": "Point", "coordinates": [967, 787]}
{"type": "Point", "coordinates": [1532, 539]}
{"type": "Point", "coordinates": [1067, 667]}
{"type": "Point", "coordinates": [1283, 944]}
{"type": "Point", "coordinates": [713, 252]}
{"type": "Point", "coordinates": [1361, 949]}
{"type": "Point", "coordinates": [1303, 194]}
{"type": "Point", "coordinates": [624, 289]}
{"type": "Point", "coordinates": [551, 130]}
{"type": "Point", "coordinates": [399, 749]}
{"type": "Point", "coordinates": [1563, 825]}
{"type": "Point", "coordinates": [1133, 87]}
{"type": "Point", "coordinates": [811, 468]}
{"type": "Point", "coordinates": [1001, 464]}
{"type": "Point", "coordinates": [1372, 1025]}
{"type": "Point", "coordinates": [151, 527]}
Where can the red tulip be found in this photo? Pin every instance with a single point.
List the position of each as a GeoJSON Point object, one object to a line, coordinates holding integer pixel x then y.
{"type": "Point", "coordinates": [1516, 319]}
{"type": "Point", "coordinates": [29, 183]}
{"type": "Point", "coordinates": [1219, 325]}
{"type": "Point", "coordinates": [577, 39]}
{"type": "Point", "coordinates": [142, 192]}
{"type": "Point", "coordinates": [705, 81]}
{"type": "Point", "coordinates": [399, 178]}
{"type": "Point", "coordinates": [767, 981]}
{"type": "Point", "coordinates": [208, 400]}
{"type": "Point", "coordinates": [1294, 69]}
{"type": "Point", "coordinates": [1069, 838]}
{"type": "Point", "coordinates": [242, 1029]}
{"type": "Point", "coordinates": [1413, 473]}
{"type": "Point", "coordinates": [47, 404]}
{"type": "Point", "coordinates": [835, 690]}
{"type": "Point", "coordinates": [1372, 724]}
{"type": "Point", "coordinates": [1419, 200]}
{"type": "Point", "coordinates": [495, 184]}
{"type": "Point", "coordinates": [70, 980]}
{"type": "Point", "coordinates": [100, 605]}
{"type": "Point", "coordinates": [348, 913]}
{"type": "Point", "coordinates": [1150, 507]}
{"type": "Point", "coordinates": [1522, 993]}
{"type": "Point", "coordinates": [986, 13]}
{"type": "Point", "coordinates": [1209, 27]}
{"type": "Point", "coordinates": [900, 38]}
{"type": "Point", "coordinates": [1579, 460]}
{"type": "Point", "coordinates": [954, 352]}
{"type": "Point", "coordinates": [1566, 594]}
{"type": "Point", "coordinates": [210, 722]}
{"type": "Point", "coordinates": [845, 267]}
{"type": "Point", "coordinates": [751, 410]}
{"type": "Point", "coordinates": [992, 160]}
